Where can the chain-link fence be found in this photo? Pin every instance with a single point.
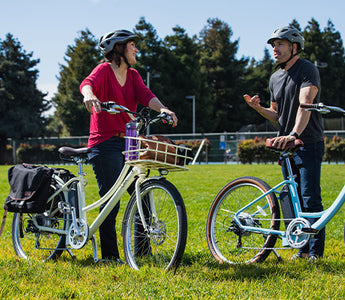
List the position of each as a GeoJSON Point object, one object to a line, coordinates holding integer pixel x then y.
{"type": "Point", "coordinates": [221, 147]}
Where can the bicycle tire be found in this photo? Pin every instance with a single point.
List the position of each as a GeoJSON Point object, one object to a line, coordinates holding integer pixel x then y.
{"type": "Point", "coordinates": [164, 245]}
{"type": "Point", "coordinates": [29, 242]}
{"type": "Point", "coordinates": [225, 240]}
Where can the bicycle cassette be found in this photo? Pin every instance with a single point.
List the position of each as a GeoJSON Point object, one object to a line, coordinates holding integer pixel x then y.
{"type": "Point", "coordinates": [295, 235]}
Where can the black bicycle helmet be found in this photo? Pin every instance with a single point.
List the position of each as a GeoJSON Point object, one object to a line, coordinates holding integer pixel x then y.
{"type": "Point", "coordinates": [110, 39]}
{"type": "Point", "coordinates": [289, 33]}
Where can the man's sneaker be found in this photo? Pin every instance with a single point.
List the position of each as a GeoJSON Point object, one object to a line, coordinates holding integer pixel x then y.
{"type": "Point", "coordinates": [299, 256]}
{"type": "Point", "coordinates": [313, 259]}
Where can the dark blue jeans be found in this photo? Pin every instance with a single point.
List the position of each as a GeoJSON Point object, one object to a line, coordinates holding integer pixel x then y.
{"type": "Point", "coordinates": [107, 161]}
{"type": "Point", "coordinates": [306, 164]}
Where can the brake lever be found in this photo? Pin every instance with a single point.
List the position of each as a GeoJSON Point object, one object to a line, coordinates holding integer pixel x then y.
{"type": "Point", "coordinates": [111, 110]}
{"type": "Point", "coordinates": [320, 110]}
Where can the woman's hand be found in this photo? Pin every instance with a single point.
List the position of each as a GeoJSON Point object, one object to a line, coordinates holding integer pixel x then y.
{"type": "Point", "coordinates": [171, 114]}
{"type": "Point", "coordinates": [156, 105]}
{"type": "Point", "coordinates": [90, 102]}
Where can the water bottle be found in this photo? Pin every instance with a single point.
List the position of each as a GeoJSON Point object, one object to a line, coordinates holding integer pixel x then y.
{"type": "Point", "coordinates": [131, 144]}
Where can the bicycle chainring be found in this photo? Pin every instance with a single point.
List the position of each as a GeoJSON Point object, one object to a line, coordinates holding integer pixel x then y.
{"type": "Point", "coordinates": [78, 237]}
{"type": "Point", "coordinates": [296, 238]}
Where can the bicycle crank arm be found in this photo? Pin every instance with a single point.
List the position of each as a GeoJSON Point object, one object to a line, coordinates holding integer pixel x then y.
{"type": "Point", "coordinates": [306, 230]}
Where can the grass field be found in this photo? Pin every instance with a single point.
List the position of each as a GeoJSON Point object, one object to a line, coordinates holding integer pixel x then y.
{"type": "Point", "coordinates": [199, 276]}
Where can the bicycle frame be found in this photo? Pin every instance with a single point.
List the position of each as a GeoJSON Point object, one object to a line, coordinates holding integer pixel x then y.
{"type": "Point", "coordinates": [126, 178]}
{"type": "Point", "coordinates": [323, 216]}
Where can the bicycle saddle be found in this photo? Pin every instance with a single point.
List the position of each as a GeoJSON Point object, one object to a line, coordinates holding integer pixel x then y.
{"type": "Point", "coordinates": [68, 151]}
{"type": "Point", "coordinates": [291, 147]}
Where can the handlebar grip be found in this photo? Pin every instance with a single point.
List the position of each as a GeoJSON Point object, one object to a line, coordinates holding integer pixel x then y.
{"type": "Point", "coordinates": [107, 105]}
{"type": "Point", "coordinates": [307, 105]}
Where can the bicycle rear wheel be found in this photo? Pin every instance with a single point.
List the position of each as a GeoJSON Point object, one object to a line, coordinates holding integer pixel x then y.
{"type": "Point", "coordinates": [163, 246]}
{"type": "Point", "coordinates": [30, 242]}
{"type": "Point", "coordinates": [229, 243]}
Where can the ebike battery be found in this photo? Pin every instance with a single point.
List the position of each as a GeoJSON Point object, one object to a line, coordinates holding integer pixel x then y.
{"type": "Point", "coordinates": [286, 205]}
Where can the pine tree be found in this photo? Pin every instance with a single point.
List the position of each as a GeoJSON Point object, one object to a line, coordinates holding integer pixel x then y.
{"type": "Point", "coordinates": [325, 49]}
{"type": "Point", "coordinates": [257, 81]}
{"type": "Point", "coordinates": [80, 59]}
{"type": "Point", "coordinates": [22, 104]}
{"type": "Point", "coordinates": [224, 75]}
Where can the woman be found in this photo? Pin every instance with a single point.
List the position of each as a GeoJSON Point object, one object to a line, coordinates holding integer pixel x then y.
{"type": "Point", "coordinates": [114, 80]}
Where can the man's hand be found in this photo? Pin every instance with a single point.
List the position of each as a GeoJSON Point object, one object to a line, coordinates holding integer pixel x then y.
{"type": "Point", "coordinates": [253, 102]}
{"type": "Point", "coordinates": [281, 141]}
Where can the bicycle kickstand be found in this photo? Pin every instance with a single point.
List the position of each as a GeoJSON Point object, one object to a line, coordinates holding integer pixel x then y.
{"type": "Point", "coordinates": [71, 253]}
{"type": "Point", "coordinates": [276, 254]}
{"type": "Point", "coordinates": [94, 248]}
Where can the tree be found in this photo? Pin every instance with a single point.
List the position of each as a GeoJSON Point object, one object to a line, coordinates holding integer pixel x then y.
{"type": "Point", "coordinates": [22, 104]}
{"type": "Point", "coordinates": [184, 78]}
{"type": "Point", "coordinates": [149, 62]}
{"type": "Point", "coordinates": [257, 80]}
{"type": "Point", "coordinates": [174, 66]}
{"type": "Point", "coordinates": [224, 75]}
{"type": "Point", "coordinates": [326, 50]}
{"type": "Point", "coordinates": [80, 60]}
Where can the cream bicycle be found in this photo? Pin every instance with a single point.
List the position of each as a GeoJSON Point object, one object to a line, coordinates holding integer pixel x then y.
{"type": "Point", "coordinates": [154, 226]}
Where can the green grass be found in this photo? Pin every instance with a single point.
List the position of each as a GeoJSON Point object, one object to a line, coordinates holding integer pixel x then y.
{"type": "Point", "coordinates": [199, 276]}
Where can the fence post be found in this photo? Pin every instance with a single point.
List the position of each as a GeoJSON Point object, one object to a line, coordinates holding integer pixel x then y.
{"type": "Point", "coordinates": [14, 151]}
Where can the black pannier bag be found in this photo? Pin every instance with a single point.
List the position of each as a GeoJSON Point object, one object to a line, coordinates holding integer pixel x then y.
{"type": "Point", "coordinates": [30, 188]}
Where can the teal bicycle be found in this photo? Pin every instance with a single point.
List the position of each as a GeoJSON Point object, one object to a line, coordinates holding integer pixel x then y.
{"type": "Point", "coordinates": [243, 222]}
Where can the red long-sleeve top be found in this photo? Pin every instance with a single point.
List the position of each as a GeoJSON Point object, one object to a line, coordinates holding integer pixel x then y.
{"type": "Point", "coordinates": [106, 88]}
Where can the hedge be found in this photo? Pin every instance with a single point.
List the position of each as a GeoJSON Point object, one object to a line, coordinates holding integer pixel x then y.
{"type": "Point", "coordinates": [254, 150]}
{"type": "Point", "coordinates": [48, 154]}
{"type": "Point", "coordinates": [248, 151]}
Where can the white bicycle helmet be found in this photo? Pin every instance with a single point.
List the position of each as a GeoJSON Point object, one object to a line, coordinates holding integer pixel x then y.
{"type": "Point", "coordinates": [110, 39]}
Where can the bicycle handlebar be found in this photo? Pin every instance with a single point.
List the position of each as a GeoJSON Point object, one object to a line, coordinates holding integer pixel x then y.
{"type": "Point", "coordinates": [322, 108]}
{"type": "Point", "coordinates": [114, 108]}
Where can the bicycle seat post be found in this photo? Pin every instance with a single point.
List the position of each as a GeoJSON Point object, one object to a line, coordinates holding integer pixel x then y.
{"type": "Point", "coordinates": [288, 166]}
{"type": "Point", "coordinates": [80, 161]}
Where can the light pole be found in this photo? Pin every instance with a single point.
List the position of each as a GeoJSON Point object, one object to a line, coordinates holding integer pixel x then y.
{"type": "Point", "coordinates": [193, 98]}
{"type": "Point", "coordinates": [151, 75]}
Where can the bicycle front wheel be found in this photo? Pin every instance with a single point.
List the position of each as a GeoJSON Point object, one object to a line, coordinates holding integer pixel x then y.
{"type": "Point", "coordinates": [164, 243]}
{"type": "Point", "coordinates": [227, 241]}
{"type": "Point", "coordinates": [31, 242]}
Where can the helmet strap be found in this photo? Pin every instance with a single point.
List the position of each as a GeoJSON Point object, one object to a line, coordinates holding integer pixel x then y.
{"type": "Point", "coordinates": [123, 55]}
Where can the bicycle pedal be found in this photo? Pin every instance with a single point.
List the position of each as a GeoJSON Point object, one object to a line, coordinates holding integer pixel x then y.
{"type": "Point", "coordinates": [309, 230]}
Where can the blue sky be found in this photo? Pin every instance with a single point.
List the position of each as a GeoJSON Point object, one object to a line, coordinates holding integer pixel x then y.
{"type": "Point", "coordinates": [47, 27]}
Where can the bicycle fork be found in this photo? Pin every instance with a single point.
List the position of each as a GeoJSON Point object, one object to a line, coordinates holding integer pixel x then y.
{"type": "Point", "coordinates": [153, 213]}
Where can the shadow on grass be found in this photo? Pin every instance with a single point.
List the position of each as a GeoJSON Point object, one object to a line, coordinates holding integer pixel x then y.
{"type": "Point", "coordinates": [269, 268]}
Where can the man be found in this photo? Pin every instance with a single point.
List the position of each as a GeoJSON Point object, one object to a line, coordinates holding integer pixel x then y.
{"type": "Point", "coordinates": [297, 81]}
